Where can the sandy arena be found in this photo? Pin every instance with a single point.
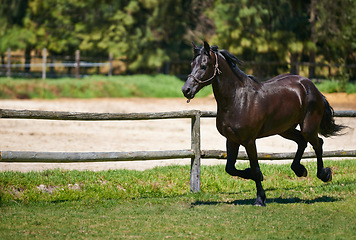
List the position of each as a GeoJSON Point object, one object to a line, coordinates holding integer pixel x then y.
{"type": "Point", "coordinates": [113, 136]}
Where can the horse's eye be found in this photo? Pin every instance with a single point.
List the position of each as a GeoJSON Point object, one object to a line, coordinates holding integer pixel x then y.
{"type": "Point", "coordinates": [203, 67]}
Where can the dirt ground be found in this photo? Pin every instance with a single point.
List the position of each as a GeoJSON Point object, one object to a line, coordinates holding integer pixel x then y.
{"type": "Point", "coordinates": [112, 136]}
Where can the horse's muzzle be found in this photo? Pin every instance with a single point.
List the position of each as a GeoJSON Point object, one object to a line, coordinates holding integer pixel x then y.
{"type": "Point", "coordinates": [187, 92]}
{"type": "Point", "coordinates": [190, 88]}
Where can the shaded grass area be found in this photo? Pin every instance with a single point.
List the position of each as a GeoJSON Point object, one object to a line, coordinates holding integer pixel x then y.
{"type": "Point", "coordinates": [157, 204]}
{"type": "Point", "coordinates": [176, 218]}
{"type": "Point", "coordinates": [158, 86]}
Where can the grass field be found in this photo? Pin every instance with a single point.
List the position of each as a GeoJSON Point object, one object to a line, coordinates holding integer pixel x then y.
{"type": "Point", "coordinates": [336, 86]}
{"type": "Point", "coordinates": [158, 86]}
{"type": "Point", "coordinates": [157, 204]}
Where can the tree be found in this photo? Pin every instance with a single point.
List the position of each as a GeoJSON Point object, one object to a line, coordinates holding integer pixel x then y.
{"type": "Point", "coordinates": [336, 30]}
{"type": "Point", "coordinates": [261, 31]}
{"type": "Point", "coordinates": [145, 33]}
{"type": "Point", "coordinates": [52, 22]}
{"type": "Point", "coordinates": [13, 35]}
{"type": "Point", "coordinates": [148, 33]}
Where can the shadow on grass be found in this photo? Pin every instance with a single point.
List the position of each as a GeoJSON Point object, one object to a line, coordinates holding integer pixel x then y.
{"type": "Point", "coordinates": [279, 200]}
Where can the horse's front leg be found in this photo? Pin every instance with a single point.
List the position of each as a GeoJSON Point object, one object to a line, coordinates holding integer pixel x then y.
{"type": "Point", "coordinates": [232, 152]}
{"type": "Point", "coordinates": [256, 173]}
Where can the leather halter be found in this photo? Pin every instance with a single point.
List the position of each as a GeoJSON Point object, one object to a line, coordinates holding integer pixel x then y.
{"type": "Point", "coordinates": [216, 71]}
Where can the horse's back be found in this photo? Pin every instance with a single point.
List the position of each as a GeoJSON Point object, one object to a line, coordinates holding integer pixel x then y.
{"type": "Point", "coordinates": [285, 85]}
{"type": "Point", "coordinates": [286, 77]}
{"type": "Point", "coordinates": [287, 99]}
{"type": "Point", "coordinates": [293, 82]}
{"type": "Point", "coordinates": [281, 76]}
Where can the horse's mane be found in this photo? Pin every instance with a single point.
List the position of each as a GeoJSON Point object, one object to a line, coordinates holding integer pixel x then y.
{"type": "Point", "coordinates": [232, 61]}
{"type": "Point", "coordinates": [230, 58]}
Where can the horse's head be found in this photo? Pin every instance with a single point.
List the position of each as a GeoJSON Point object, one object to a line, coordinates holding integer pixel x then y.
{"type": "Point", "coordinates": [204, 70]}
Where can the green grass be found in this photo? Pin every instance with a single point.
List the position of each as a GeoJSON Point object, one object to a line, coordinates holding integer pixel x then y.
{"type": "Point", "coordinates": [157, 204]}
{"type": "Point", "coordinates": [158, 86]}
{"type": "Point", "coordinates": [336, 86]}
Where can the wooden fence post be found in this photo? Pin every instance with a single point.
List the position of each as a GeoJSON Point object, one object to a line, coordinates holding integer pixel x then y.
{"type": "Point", "coordinates": [195, 161]}
{"type": "Point", "coordinates": [44, 63]}
{"type": "Point", "coordinates": [8, 65]}
{"type": "Point", "coordinates": [110, 65]}
{"type": "Point", "coordinates": [77, 63]}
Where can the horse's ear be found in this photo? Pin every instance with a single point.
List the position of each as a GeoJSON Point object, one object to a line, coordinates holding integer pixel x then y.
{"type": "Point", "coordinates": [196, 49]}
{"type": "Point", "coordinates": [206, 47]}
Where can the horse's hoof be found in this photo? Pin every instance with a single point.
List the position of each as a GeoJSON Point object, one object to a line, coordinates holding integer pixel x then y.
{"type": "Point", "coordinates": [325, 174]}
{"type": "Point", "coordinates": [260, 203]}
{"type": "Point", "coordinates": [300, 170]}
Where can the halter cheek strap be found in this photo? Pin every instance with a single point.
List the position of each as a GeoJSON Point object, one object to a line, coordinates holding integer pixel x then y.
{"type": "Point", "coordinates": [216, 71]}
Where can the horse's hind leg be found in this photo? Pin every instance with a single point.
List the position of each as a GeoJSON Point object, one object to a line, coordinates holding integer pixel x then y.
{"type": "Point", "coordinates": [324, 174]}
{"type": "Point", "coordinates": [296, 136]}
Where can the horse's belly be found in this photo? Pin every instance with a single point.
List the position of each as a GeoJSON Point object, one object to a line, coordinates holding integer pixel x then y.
{"type": "Point", "coordinates": [231, 131]}
{"type": "Point", "coordinates": [278, 126]}
{"type": "Point", "coordinates": [237, 132]}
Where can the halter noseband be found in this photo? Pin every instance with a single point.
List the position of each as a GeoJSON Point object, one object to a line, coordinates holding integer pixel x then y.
{"type": "Point", "coordinates": [216, 71]}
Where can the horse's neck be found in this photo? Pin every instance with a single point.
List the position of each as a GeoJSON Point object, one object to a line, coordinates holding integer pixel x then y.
{"type": "Point", "coordinates": [228, 87]}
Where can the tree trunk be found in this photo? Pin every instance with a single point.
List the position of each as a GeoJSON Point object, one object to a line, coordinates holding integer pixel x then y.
{"type": "Point", "coordinates": [2, 69]}
{"type": "Point", "coordinates": [294, 67]}
{"type": "Point", "coordinates": [313, 39]}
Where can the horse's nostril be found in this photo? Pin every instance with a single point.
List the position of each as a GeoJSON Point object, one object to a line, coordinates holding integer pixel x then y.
{"type": "Point", "coordinates": [185, 89]}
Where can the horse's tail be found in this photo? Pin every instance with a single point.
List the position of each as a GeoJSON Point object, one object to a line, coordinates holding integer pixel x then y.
{"type": "Point", "coordinates": [328, 127]}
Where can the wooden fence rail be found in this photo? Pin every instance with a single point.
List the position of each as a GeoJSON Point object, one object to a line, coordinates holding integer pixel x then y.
{"type": "Point", "coordinates": [72, 157]}
{"type": "Point", "coordinates": [195, 153]}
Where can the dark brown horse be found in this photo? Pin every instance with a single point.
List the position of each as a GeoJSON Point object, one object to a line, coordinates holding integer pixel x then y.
{"type": "Point", "coordinates": [248, 109]}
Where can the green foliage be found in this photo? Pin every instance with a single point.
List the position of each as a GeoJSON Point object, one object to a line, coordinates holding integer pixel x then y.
{"type": "Point", "coordinates": [148, 33]}
{"type": "Point", "coordinates": [159, 86]}
{"type": "Point", "coordinates": [261, 29]}
{"type": "Point", "coordinates": [144, 33]}
{"type": "Point", "coordinates": [12, 32]}
{"type": "Point", "coordinates": [157, 204]}
{"type": "Point", "coordinates": [336, 30]}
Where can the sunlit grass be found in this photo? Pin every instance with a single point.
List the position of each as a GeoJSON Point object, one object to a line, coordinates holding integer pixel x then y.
{"type": "Point", "coordinates": [63, 185]}
{"type": "Point", "coordinates": [157, 204]}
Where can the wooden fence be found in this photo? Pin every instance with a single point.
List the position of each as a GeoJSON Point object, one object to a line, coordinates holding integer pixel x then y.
{"type": "Point", "coordinates": [76, 64]}
{"type": "Point", "coordinates": [195, 153]}
{"type": "Point", "coordinates": [46, 64]}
